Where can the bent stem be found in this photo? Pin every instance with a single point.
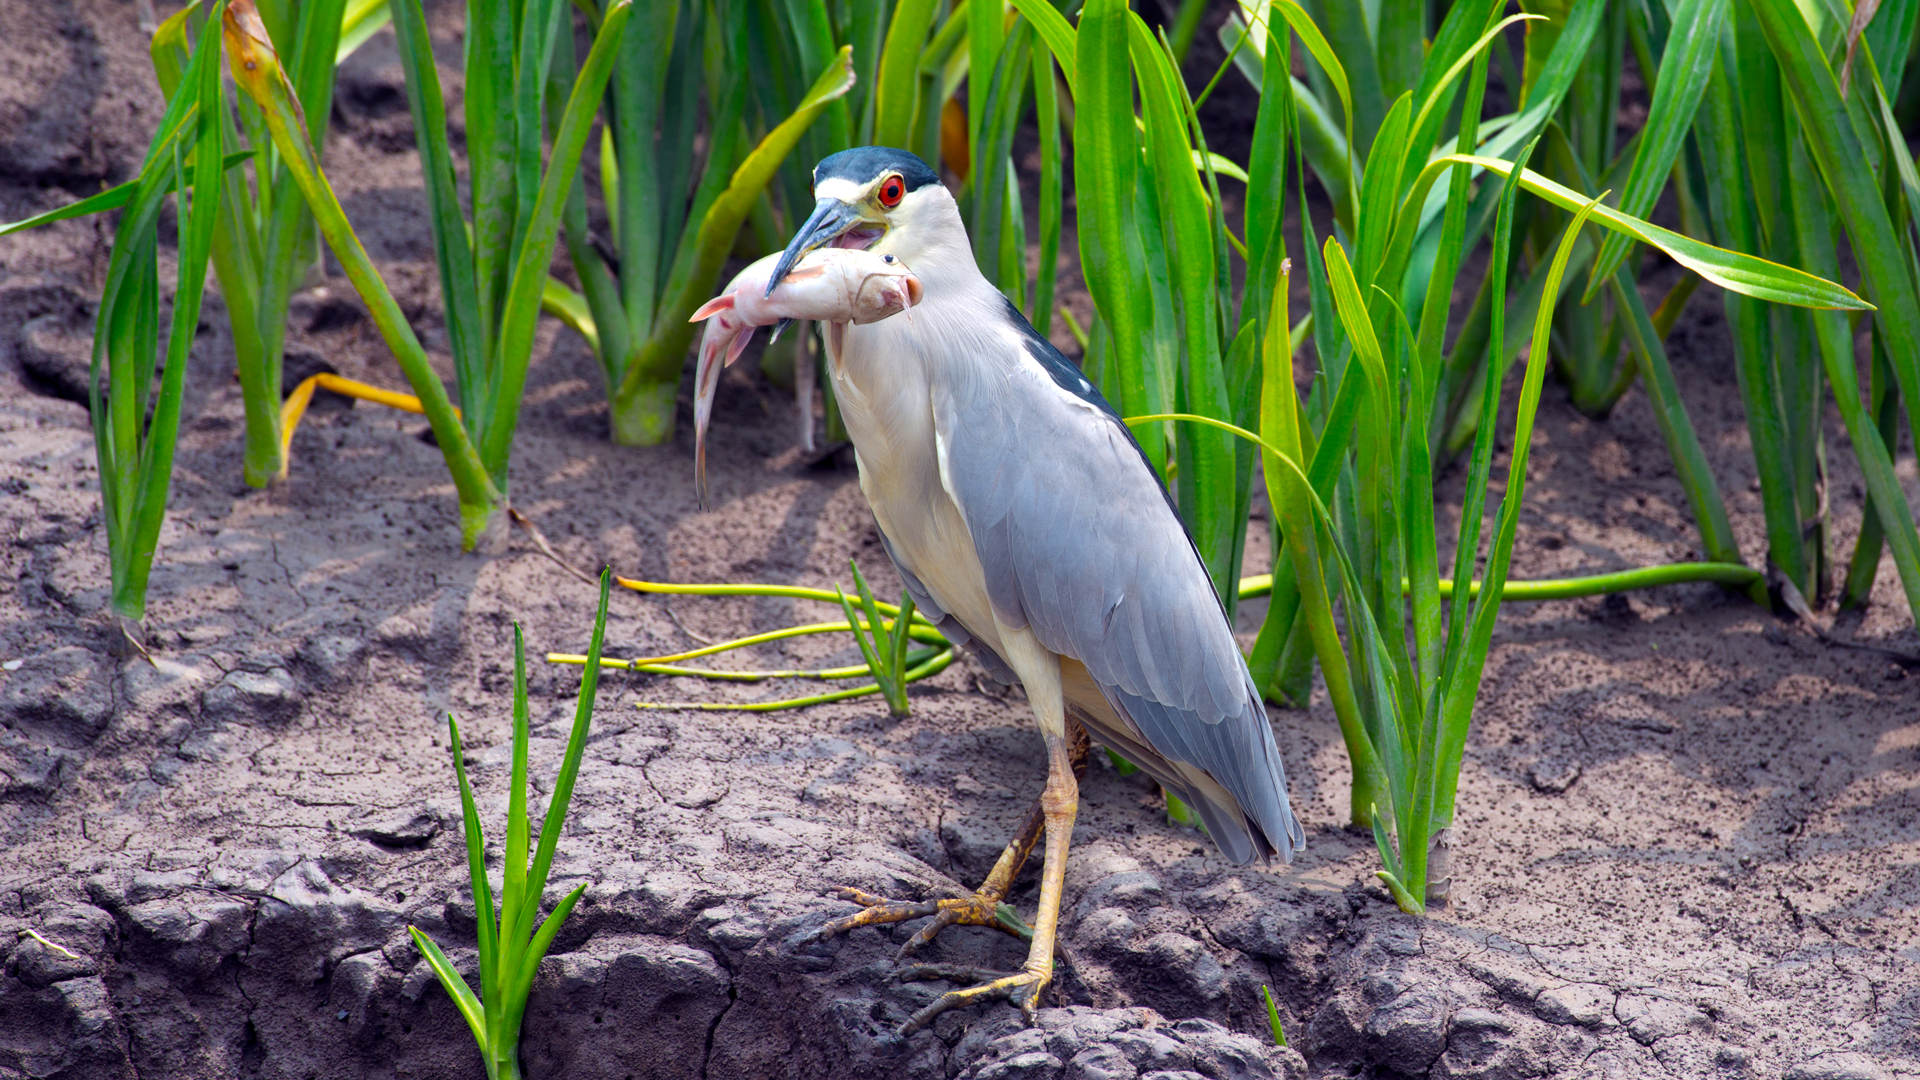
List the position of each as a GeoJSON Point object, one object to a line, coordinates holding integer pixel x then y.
{"type": "Point", "coordinates": [885, 634]}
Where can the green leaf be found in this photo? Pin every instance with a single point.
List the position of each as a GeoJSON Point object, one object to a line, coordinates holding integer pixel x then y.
{"type": "Point", "coordinates": [1055, 31]}
{"type": "Point", "coordinates": [1206, 477]}
{"type": "Point", "coordinates": [452, 250]}
{"type": "Point", "coordinates": [1744, 274]}
{"type": "Point", "coordinates": [1836, 148]}
{"type": "Point", "coordinates": [898, 86]}
{"type": "Point", "coordinates": [1684, 70]}
{"type": "Point", "coordinates": [562, 793]}
{"type": "Point", "coordinates": [455, 986]}
{"type": "Point", "coordinates": [520, 316]}
{"type": "Point", "coordinates": [1106, 163]}
{"type": "Point", "coordinates": [1273, 1019]}
{"type": "Point", "coordinates": [481, 890]}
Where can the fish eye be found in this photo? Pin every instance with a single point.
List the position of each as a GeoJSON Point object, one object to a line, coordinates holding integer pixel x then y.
{"type": "Point", "coordinates": [890, 192]}
{"type": "Point", "coordinates": [888, 259]}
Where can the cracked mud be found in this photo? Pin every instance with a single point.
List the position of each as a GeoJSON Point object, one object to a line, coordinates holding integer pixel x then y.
{"type": "Point", "coordinates": [1687, 833]}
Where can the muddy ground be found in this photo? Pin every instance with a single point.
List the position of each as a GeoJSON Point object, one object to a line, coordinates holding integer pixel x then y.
{"type": "Point", "coordinates": [1688, 831]}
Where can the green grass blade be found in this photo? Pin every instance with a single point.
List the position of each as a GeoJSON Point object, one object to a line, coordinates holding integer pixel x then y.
{"type": "Point", "coordinates": [1459, 692]}
{"type": "Point", "coordinates": [1380, 190]}
{"type": "Point", "coordinates": [1440, 96]}
{"type": "Point", "coordinates": [1884, 396]}
{"type": "Point", "coordinates": [359, 21]}
{"type": "Point", "coordinates": [482, 891]}
{"type": "Point", "coordinates": [902, 634]}
{"type": "Point", "coordinates": [521, 986]}
{"type": "Point", "coordinates": [197, 219]}
{"type": "Point", "coordinates": [111, 199]}
{"type": "Point", "coordinates": [1547, 90]}
{"type": "Point", "coordinates": [1685, 68]}
{"type": "Point", "coordinates": [634, 195]}
{"type": "Point", "coordinates": [1266, 199]}
{"type": "Point", "coordinates": [514, 894]}
{"type": "Point", "coordinates": [1290, 496]}
{"type": "Point", "coordinates": [1273, 1019]}
{"type": "Point", "coordinates": [491, 142]}
{"type": "Point", "coordinates": [569, 765]}
{"type": "Point", "coordinates": [1480, 468]}
{"type": "Point", "coordinates": [1206, 477]}
{"type": "Point", "coordinates": [1663, 393]}
{"type": "Point", "coordinates": [1055, 31]}
{"type": "Point", "coordinates": [1323, 54]}
{"type": "Point", "coordinates": [1744, 274]}
{"type": "Point", "coordinates": [1046, 108]}
{"type": "Point", "coordinates": [452, 252]}
{"type": "Point", "coordinates": [898, 85]}
{"type": "Point", "coordinates": [1106, 168]}
{"type": "Point", "coordinates": [860, 638]}
{"type": "Point", "coordinates": [456, 987]}
{"type": "Point", "coordinates": [311, 66]}
{"type": "Point", "coordinates": [1888, 509]}
{"type": "Point", "coordinates": [569, 306]}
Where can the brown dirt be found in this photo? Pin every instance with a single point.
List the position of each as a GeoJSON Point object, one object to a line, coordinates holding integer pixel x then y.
{"type": "Point", "coordinates": [1687, 830]}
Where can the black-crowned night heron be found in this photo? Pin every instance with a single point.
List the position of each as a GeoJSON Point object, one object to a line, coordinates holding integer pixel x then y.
{"type": "Point", "coordinates": [1028, 525]}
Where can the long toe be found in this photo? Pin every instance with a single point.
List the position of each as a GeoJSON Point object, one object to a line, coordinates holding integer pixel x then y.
{"type": "Point", "coordinates": [1023, 988]}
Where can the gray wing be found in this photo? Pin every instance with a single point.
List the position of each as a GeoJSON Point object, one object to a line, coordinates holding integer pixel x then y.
{"type": "Point", "coordinates": [1079, 542]}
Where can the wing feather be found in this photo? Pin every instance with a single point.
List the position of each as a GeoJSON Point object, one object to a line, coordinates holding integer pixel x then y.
{"type": "Point", "coordinates": [1078, 540]}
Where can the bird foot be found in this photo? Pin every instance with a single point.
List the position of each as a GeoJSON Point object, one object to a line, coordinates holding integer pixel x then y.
{"type": "Point", "coordinates": [1022, 987]}
{"type": "Point", "coordinates": [978, 909]}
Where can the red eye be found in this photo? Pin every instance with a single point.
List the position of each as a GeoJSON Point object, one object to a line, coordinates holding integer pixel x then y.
{"type": "Point", "coordinates": [891, 191]}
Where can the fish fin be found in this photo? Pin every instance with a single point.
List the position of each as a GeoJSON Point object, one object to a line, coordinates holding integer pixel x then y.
{"type": "Point", "coordinates": [713, 307]}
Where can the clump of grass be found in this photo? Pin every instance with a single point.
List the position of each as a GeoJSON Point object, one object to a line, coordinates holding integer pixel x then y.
{"type": "Point", "coordinates": [674, 215]}
{"type": "Point", "coordinates": [135, 427]}
{"type": "Point", "coordinates": [1350, 469]}
{"type": "Point", "coordinates": [494, 272]}
{"type": "Point", "coordinates": [510, 946]}
{"type": "Point", "coordinates": [884, 649]}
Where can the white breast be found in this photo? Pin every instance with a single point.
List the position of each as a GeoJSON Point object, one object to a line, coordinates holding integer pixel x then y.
{"type": "Point", "coordinates": [883, 375]}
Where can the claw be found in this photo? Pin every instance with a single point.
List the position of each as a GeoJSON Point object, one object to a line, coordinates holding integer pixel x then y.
{"type": "Point", "coordinates": [1022, 987]}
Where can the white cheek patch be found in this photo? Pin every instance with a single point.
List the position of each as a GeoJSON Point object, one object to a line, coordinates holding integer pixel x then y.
{"type": "Point", "coordinates": [839, 188]}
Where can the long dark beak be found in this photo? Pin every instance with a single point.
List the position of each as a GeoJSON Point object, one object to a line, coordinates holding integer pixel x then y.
{"type": "Point", "coordinates": [831, 218]}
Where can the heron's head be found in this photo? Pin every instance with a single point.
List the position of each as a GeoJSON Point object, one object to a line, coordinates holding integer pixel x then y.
{"type": "Point", "coordinates": [872, 196]}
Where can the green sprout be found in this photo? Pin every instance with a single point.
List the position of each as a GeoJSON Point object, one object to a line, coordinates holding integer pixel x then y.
{"type": "Point", "coordinates": [885, 649]}
{"type": "Point", "coordinates": [510, 947]}
{"type": "Point", "coordinates": [1273, 1017]}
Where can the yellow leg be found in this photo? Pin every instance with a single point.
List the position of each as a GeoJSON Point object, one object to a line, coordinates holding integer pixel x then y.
{"type": "Point", "coordinates": [983, 907]}
{"type": "Point", "coordinates": [1059, 803]}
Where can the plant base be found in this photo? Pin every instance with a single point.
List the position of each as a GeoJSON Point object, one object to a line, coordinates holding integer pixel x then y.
{"type": "Point", "coordinates": [646, 418]}
{"type": "Point", "coordinates": [484, 529]}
